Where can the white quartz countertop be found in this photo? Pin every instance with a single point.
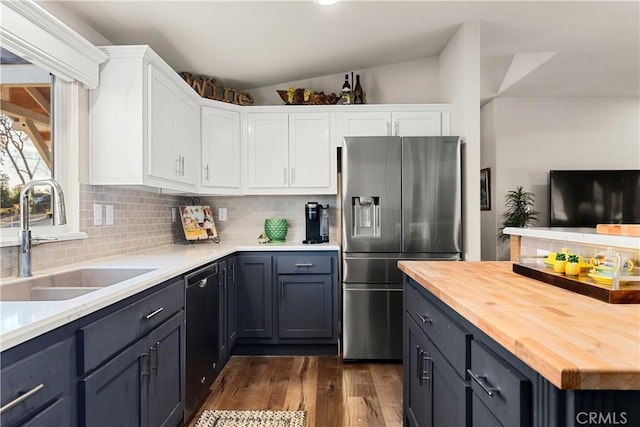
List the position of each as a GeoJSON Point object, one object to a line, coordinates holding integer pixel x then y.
{"type": "Point", "coordinates": [23, 320]}
{"type": "Point", "coordinates": [576, 235]}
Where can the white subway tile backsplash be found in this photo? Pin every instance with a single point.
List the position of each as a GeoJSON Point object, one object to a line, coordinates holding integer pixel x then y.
{"type": "Point", "coordinates": [143, 221]}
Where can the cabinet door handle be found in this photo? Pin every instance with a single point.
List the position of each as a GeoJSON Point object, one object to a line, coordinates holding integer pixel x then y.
{"type": "Point", "coordinates": [424, 318]}
{"type": "Point", "coordinates": [418, 363]}
{"type": "Point", "coordinates": [147, 373]}
{"type": "Point", "coordinates": [304, 264]}
{"type": "Point", "coordinates": [18, 400]}
{"type": "Point", "coordinates": [206, 173]}
{"type": "Point", "coordinates": [155, 367]}
{"type": "Point", "coordinates": [388, 128]}
{"type": "Point", "coordinates": [425, 374]}
{"type": "Point", "coordinates": [484, 385]}
{"type": "Point", "coordinates": [397, 127]}
{"type": "Point", "coordinates": [153, 313]}
{"type": "Point", "coordinates": [282, 290]}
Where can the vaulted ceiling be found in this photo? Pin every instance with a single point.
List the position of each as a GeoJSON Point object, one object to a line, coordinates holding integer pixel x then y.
{"type": "Point", "coordinates": [573, 48]}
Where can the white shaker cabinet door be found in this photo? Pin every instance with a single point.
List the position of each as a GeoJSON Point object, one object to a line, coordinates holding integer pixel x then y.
{"type": "Point", "coordinates": [311, 158]}
{"type": "Point", "coordinates": [417, 123]}
{"type": "Point", "coordinates": [372, 123]}
{"type": "Point", "coordinates": [185, 138]}
{"type": "Point", "coordinates": [162, 161]}
{"type": "Point", "coordinates": [267, 150]}
{"type": "Point", "coordinates": [220, 148]}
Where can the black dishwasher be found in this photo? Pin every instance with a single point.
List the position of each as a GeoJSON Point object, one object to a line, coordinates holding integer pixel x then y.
{"type": "Point", "coordinates": [202, 335]}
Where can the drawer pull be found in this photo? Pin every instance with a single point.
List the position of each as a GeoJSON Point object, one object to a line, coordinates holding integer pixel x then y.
{"type": "Point", "coordinates": [304, 264]}
{"type": "Point", "coordinates": [150, 315]}
{"type": "Point", "coordinates": [491, 391]}
{"type": "Point", "coordinates": [18, 400]}
{"type": "Point", "coordinates": [424, 318]}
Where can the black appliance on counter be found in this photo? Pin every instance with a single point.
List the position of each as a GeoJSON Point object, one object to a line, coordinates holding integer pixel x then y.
{"type": "Point", "coordinates": [202, 335]}
{"type": "Point", "coordinates": [316, 218]}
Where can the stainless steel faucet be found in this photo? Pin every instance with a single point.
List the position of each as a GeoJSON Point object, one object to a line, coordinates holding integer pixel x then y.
{"type": "Point", "coordinates": [59, 218]}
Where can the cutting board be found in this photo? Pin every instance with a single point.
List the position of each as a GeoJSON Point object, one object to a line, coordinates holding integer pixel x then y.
{"type": "Point", "coordinates": [619, 229]}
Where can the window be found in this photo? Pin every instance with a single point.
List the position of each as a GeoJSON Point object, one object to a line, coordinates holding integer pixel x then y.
{"type": "Point", "coordinates": [38, 139]}
{"type": "Point", "coordinates": [35, 35]}
{"type": "Point", "coordinates": [26, 145]}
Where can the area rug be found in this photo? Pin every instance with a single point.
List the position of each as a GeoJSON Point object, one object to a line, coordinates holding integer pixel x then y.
{"type": "Point", "coordinates": [252, 419]}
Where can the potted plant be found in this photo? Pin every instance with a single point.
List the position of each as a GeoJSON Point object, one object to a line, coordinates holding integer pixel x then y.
{"type": "Point", "coordinates": [519, 212]}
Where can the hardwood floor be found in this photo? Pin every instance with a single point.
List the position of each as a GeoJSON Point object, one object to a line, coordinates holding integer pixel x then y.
{"type": "Point", "coordinates": [333, 393]}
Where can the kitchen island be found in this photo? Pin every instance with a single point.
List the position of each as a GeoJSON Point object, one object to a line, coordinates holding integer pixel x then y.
{"type": "Point", "coordinates": [558, 357]}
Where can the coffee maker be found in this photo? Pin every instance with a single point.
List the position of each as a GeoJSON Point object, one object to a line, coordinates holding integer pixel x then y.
{"type": "Point", "coordinates": [316, 218]}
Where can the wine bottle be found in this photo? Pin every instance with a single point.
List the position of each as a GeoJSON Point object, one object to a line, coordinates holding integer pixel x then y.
{"type": "Point", "coordinates": [345, 95]}
{"type": "Point", "coordinates": [358, 93]}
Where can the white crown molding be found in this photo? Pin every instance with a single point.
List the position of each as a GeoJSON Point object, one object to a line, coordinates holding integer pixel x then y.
{"type": "Point", "coordinates": [33, 33]}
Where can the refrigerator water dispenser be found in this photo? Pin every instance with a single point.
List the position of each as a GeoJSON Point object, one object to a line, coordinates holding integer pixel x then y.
{"type": "Point", "coordinates": [365, 213]}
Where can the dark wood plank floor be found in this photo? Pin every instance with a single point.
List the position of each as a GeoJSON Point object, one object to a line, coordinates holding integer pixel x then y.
{"type": "Point", "coordinates": [334, 394]}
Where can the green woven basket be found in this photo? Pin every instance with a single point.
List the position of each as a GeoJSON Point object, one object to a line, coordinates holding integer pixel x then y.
{"type": "Point", "coordinates": [276, 229]}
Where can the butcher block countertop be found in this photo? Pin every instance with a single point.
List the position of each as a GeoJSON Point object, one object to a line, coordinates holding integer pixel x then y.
{"type": "Point", "coordinates": [574, 341]}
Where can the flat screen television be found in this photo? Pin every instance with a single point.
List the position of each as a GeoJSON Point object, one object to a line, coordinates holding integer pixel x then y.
{"type": "Point", "coordinates": [585, 198]}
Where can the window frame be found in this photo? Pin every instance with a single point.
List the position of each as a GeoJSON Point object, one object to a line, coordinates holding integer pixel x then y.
{"type": "Point", "coordinates": [65, 128]}
{"type": "Point", "coordinates": [27, 30]}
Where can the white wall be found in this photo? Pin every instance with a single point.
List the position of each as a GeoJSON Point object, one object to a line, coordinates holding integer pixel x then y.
{"type": "Point", "coordinates": [535, 135]}
{"type": "Point", "coordinates": [460, 86]}
{"type": "Point", "coordinates": [488, 229]}
{"type": "Point", "coordinates": [410, 82]}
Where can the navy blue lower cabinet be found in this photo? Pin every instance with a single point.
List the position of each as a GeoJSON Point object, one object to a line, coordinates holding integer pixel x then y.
{"type": "Point", "coordinates": [165, 399]}
{"type": "Point", "coordinates": [255, 302]}
{"type": "Point", "coordinates": [232, 301]}
{"type": "Point", "coordinates": [418, 411]}
{"type": "Point", "coordinates": [223, 316]}
{"type": "Point", "coordinates": [141, 386]}
{"type": "Point", "coordinates": [227, 309]}
{"type": "Point", "coordinates": [116, 393]}
{"type": "Point", "coordinates": [305, 306]}
{"type": "Point", "coordinates": [286, 303]}
{"type": "Point", "coordinates": [38, 386]}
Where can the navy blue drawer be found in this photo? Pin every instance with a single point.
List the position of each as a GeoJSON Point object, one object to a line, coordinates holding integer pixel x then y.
{"type": "Point", "coordinates": [103, 338]}
{"type": "Point", "coordinates": [35, 382]}
{"type": "Point", "coordinates": [503, 390]}
{"type": "Point", "coordinates": [304, 264]}
{"type": "Point", "coordinates": [448, 336]}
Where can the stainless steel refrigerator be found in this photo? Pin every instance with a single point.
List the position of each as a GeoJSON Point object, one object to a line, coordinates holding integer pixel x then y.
{"type": "Point", "coordinates": [401, 199]}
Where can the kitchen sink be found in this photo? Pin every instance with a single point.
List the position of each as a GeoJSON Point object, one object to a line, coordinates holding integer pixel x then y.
{"type": "Point", "coordinates": [67, 285]}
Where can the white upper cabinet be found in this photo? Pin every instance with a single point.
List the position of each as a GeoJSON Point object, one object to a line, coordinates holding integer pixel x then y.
{"type": "Point", "coordinates": [290, 153]}
{"type": "Point", "coordinates": [406, 122]}
{"type": "Point", "coordinates": [220, 151]}
{"type": "Point", "coordinates": [267, 151]}
{"type": "Point", "coordinates": [312, 158]}
{"type": "Point", "coordinates": [144, 123]}
{"type": "Point", "coordinates": [416, 123]}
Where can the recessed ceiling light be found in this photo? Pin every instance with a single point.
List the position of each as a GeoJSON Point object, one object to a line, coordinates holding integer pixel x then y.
{"type": "Point", "coordinates": [326, 2]}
